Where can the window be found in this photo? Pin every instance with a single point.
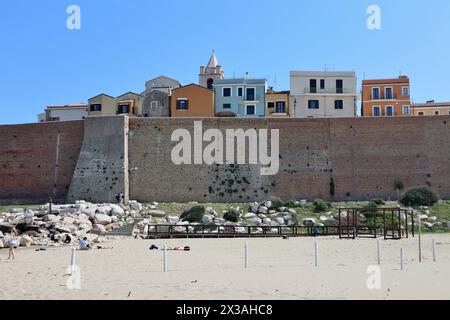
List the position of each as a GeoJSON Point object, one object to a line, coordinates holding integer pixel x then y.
{"type": "Point", "coordinates": [313, 104]}
{"type": "Point", "coordinates": [227, 92]}
{"type": "Point", "coordinates": [405, 91]}
{"type": "Point", "coordinates": [154, 104]}
{"type": "Point", "coordinates": [227, 106]}
{"type": "Point", "coordinates": [376, 111]}
{"type": "Point", "coordinates": [280, 107]}
{"type": "Point", "coordinates": [339, 86]}
{"type": "Point", "coordinates": [389, 111]}
{"type": "Point", "coordinates": [388, 94]}
{"type": "Point", "coordinates": [406, 110]}
{"type": "Point", "coordinates": [251, 110]}
{"type": "Point", "coordinates": [270, 105]}
{"type": "Point", "coordinates": [210, 84]}
{"type": "Point", "coordinates": [313, 86]}
{"type": "Point", "coordinates": [322, 84]}
{"type": "Point", "coordinates": [436, 113]}
{"type": "Point", "coordinates": [240, 92]}
{"type": "Point", "coordinates": [97, 107]}
{"type": "Point", "coordinates": [250, 94]}
{"type": "Point", "coordinates": [339, 104]}
{"type": "Point", "coordinates": [123, 108]}
{"type": "Point", "coordinates": [182, 104]}
{"type": "Point", "coordinates": [375, 93]}
{"type": "Point", "coordinates": [421, 113]}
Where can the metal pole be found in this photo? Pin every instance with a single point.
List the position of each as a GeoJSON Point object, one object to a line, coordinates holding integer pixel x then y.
{"type": "Point", "coordinates": [402, 262]}
{"type": "Point", "coordinates": [165, 258]}
{"type": "Point", "coordinates": [420, 238]}
{"type": "Point", "coordinates": [72, 261]}
{"type": "Point", "coordinates": [434, 251]}
{"type": "Point", "coordinates": [316, 253]}
{"type": "Point", "coordinates": [378, 252]}
{"type": "Point", "coordinates": [246, 255]}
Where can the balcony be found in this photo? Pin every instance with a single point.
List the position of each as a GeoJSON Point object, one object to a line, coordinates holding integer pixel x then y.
{"type": "Point", "coordinates": [312, 90]}
{"type": "Point", "coordinates": [252, 98]}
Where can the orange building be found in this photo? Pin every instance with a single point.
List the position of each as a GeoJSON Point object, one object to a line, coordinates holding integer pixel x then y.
{"type": "Point", "coordinates": [386, 97]}
{"type": "Point", "coordinates": [192, 101]}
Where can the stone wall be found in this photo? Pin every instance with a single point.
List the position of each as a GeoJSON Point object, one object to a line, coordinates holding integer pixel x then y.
{"type": "Point", "coordinates": [364, 157]}
{"type": "Point", "coordinates": [102, 169]}
{"type": "Point", "coordinates": [37, 161]}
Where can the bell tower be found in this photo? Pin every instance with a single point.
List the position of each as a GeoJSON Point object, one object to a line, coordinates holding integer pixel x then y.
{"type": "Point", "coordinates": [212, 72]}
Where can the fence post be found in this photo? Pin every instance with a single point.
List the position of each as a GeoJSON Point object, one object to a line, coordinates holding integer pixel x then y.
{"type": "Point", "coordinates": [165, 258]}
{"type": "Point", "coordinates": [378, 252]}
{"type": "Point", "coordinates": [246, 255]}
{"type": "Point", "coordinates": [316, 253]}
{"type": "Point", "coordinates": [72, 261]}
{"type": "Point", "coordinates": [434, 251]}
{"type": "Point", "coordinates": [402, 262]}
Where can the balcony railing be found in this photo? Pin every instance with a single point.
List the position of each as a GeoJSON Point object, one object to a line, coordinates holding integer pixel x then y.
{"type": "Point", "coordinates": [313, 90]}
{"type": "Point", "coordinates": [252, 97]}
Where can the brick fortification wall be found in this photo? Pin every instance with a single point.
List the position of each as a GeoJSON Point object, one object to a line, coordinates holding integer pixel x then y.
{"type": "Point", "coordinates": [37, 161]}
{"type": "Point", "coordinates": [364, 157]}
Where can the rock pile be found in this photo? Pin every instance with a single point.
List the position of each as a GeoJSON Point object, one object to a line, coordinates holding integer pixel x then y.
{"type": "Point", "coordinates": [45, 226]}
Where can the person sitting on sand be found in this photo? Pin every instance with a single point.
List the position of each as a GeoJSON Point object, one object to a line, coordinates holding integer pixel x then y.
{"type": "Point", "coordinates": [84, 244]}
{"type": "Point", "coordinates": [12, 245]}
{"type": "Point", "coordinates": [68, 239]}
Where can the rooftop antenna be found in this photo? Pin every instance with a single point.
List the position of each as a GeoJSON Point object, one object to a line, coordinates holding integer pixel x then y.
{"type": "Point", "coordinates": [275, 83]}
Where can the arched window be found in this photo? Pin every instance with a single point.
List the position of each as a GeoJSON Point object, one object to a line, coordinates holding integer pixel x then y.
{"type": "Point", "coordinates": [210, 84]}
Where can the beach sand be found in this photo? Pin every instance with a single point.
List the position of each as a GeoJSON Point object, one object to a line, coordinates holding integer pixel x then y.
{"type": "Point", "coordinates": [214, 269]}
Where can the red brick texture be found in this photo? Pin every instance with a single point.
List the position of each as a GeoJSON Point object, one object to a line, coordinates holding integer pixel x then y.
{"type": "Point", "coordinates": [28, 159]}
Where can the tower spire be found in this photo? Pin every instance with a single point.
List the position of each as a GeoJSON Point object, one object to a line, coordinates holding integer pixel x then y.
{"type": "Point", "coordinates": [213, 60]}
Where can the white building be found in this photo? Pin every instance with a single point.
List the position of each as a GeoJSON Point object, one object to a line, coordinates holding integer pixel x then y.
{"type": "Point", "coordinates": [69, 112]}
{"type": "Point", "coordinates": [323, 94]}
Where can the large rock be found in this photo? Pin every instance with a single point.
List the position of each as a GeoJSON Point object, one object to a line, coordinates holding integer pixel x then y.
{"type": "Point", "coordinates": [263, 210]}
{"type": "Point", "coordinates": [103, 219]}
{"type": "Point", "coordinates": [309, 222]}
{"type": "Point", "coordinates": [172, 219]}
{"type": "Point", "coordinates": [280, 221]}
{"type": "Point", "coordinates": [255, 221]}
{"type": "Point", "coordinates": [254, 207]}
{"type": "Point", "coordinates": [105, 209]}
{"type": "Point", "coordinates": [157, 213]}
{"type": "Point", "coordinates": [51, 218]}
{"type": "Point", "coordinates": [2, 244]}
{"type": "Point", "coordinates": [117, 210]}
{"type": "Point", "coordinates": [207, 219]}
{"type": "Point", "coordinates": [26, 241]}
{"type": "Point", "coordinates": [99, 229]}
{"type": "Point", "coordinates": [249, 215]}
{"type": "Point", "coordinates": [134, 205]}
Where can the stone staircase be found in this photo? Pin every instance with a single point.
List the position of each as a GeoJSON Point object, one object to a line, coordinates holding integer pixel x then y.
{"type": "Point", "coordinates": [126, 230]}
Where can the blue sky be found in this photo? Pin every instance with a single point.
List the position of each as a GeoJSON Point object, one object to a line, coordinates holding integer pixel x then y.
{"type": "Point", "coordinates": [123, 43]}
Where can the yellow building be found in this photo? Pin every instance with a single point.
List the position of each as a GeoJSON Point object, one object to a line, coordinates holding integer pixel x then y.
{"type": "Point", "coordinates": [104, 105]}
{"type": "Point", "coordinates": [277, 104]}
{"type": "Point", "coordinates": [431, 108]}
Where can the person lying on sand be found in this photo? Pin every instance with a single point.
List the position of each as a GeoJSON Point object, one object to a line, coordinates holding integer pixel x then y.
{"type": "Point", "coordinates": [155, 247]}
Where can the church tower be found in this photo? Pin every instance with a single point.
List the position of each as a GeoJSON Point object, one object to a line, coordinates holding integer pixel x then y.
{"type": "Point", "coordinates": [212, 72]}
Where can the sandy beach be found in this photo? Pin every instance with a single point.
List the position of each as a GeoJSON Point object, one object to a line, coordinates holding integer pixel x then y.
{"type": "Point", "coordinates": [214, 269]}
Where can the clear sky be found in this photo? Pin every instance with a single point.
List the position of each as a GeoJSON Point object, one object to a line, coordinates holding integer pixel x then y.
{"type": "Point", "coordinates": [123, 43]}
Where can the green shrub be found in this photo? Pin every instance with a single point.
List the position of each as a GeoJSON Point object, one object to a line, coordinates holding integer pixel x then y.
{"type": "Point", "coordinates": [231, 216]}
{"type": "Point", "coordinates": [276, 204]}
{"type": "Point", "coordinates": [420, 197]}
{"type": "Point", "coordinates": [320, 206]}
{"type": "Point", "coordinates": [370, 208]}
{"type": "Point", "coordinates": [194, 214]}
{"type": "Point", "coordinates": [378, 202]}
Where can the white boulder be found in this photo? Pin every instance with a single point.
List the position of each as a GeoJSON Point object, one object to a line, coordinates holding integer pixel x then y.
{"type": "Point", "coordinates": [103, 219]}
{"type": "Point", "coordinates": [157, 213]}
{"type": "Point", "coordinates": [117, 210]}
